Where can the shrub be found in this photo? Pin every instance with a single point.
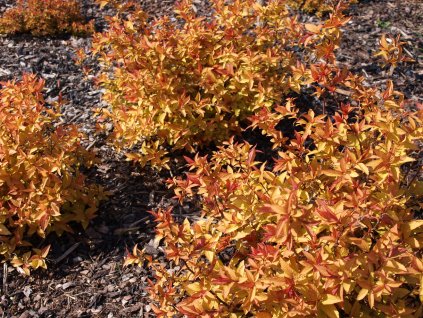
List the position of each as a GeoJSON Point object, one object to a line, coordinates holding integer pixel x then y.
{"type": "Point", "coordinates": [45, 17]}
{"type": "Point", "coordinates": [391, 52]}
{"type": "Point", "coordinates": [41, 187]}
{"type": "Point", "coordinates": [192, 82]}
{"type": "Point", "coordinates": [327, 230]}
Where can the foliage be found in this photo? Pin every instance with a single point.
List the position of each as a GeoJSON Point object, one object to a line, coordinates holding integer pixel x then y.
{"type": "Point", "coordinates": [45, 17]}
{"type": "Point", "coordinates": [391, 51]}
{"type": "Point", "coordinates": [327, 230]}
{"type": "Point", "coordinates": [318, 7]}
{"type": "Point", "coordinates": [41, 187]}
{"type": "Point", "coordinates": [193, 82]}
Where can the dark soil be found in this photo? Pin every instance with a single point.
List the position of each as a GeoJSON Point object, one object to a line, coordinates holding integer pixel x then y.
{"type": "Point", "coordinates": [85, 276]}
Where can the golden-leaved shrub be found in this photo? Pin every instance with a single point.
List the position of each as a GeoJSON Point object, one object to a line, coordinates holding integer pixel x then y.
{"type": "Point", "coordinates": [193, 81]}
{"type": "Point", "coordinates": [329, 228]}
{"type": "Point", "coordinates": [41, 187]}
{"type": "Point", "coordinates": [45, 17]}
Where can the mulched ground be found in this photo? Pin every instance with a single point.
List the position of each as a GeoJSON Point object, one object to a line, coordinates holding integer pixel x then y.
{"type": "Point", "coordinates": [85, 276]}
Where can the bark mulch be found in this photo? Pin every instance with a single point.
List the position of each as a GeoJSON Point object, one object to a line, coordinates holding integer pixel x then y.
{"type": "Point", "coordinates": [85, 276]}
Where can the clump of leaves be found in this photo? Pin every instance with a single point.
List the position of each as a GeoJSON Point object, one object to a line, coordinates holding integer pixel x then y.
{"type": "Point", "coordinates": [192, 82]}
{"type": "Point", "coordinates": [391, 51]}
{"type": "Point", "coordinates": [45, 17]}
{"type": "Point", "coordinates": [41, 187]}
{"type": "Point", "coordinates": [318, 7]}
{"type": "Point", "coordinates": [327, 230]}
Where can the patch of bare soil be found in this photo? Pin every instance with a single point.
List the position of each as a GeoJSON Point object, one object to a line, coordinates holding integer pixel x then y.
{"type": "Point", "coordinates": [370, 20]}
{"type": "Point", "coordinates": [85, 276]}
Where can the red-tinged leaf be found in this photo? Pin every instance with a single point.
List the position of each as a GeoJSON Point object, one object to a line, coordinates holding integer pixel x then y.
{"type": "Point", "coordinates": [188, 160]}
{"type": "Point", "coordinates": [327, 214]}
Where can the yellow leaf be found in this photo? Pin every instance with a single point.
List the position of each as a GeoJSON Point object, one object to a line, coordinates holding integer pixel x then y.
{"type": "Point", "coordinates": [209, 255]}
{"type": "Point", "coordinates": [329, 299]}
{"type": "Point", "coordinates": [374, 163]}
{"type": "Point", "coordinates": [362, 167]}
{"type": "Point", "coordinates": [363, 293]}
{"type": "Point", "coordinates": [332, 173]}
{"type": "Point", "coordinates": [45, 251]}
{"type": "Point", "coordinates": [129, 25]}
{"type": "Point", "coordinates": [348, 287]}
{"type": "Point", "coordinates": [55, 209]}
{"type": "Point", "coordinates": [312, 28]}
{"type": "Point", "coordinates": [395, 267]}
{"type": "Point", "coordinates": [330, 310]}
{"type": "Point", "coordinates": [415, 224]}
{"type": "Point", "coordinates": [414, 242]}
{"type": "Point", "coordinates": [383, 41]}
{"type": "Point", "coordinates": [193, 288]}
{"type": "Point", "coordinates": [371, 299]}
{"type": "Point", "coordinates": [103, 4]}
{"type": "Point", "coordinates": [161, 118]}
{"type": "Point", "coordinates": [241, 234]}
{"type": "Point", "coordinates": [288, 270]}
{"type": "Point", "coordinates": [390, 104]}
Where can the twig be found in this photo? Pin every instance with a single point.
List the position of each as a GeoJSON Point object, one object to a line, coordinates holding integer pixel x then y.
{"type": "Point", "coordinates": [4, 289]}
{"type": "Point", "coordinates": [91, 144]}
{"type": "Point", "coordinates": [391, 70]}
{"type": "Point", "coordinates": [75, 117]}
{"type": "Point", "coordinates": [343, 92]}
{"type": "Point", "coordinates": [139, 221]}
{"type": "Point", "coordinates": [408, 52]}
{"type": "Point", "coordinates": [65, 254]}
{"type": "Point", "coordinates": [124, 230]}
{"type": "Point", "coordinates": [405, 35]}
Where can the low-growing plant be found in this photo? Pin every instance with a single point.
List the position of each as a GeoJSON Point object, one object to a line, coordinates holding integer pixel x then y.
{"type": "Point", "coordinates": [391, 52]}
{"type": "Point", "coordinates": [45, 17]}
{"type": "Point", "coordinates": [194, 81]}
{"type": "Point", "coordinates": [326, 230]}
{"type": "Point", "coordinates": [41, 187]}
{"type": "Point", "coordinates": [383, 24]}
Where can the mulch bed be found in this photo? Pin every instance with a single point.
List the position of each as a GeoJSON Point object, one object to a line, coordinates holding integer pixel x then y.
{"type": "Point", "coordinates": [85, 276]}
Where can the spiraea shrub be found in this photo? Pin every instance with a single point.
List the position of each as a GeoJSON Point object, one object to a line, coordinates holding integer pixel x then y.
{"type": "Point", "coordinates": [391, 52]}
{"type": "Point", "coordinates": [192, 81]}
{"type": "Point", "coordinates": [326, 230]}
{"type": "Point", "coordinates": [45, 17]}
{"type": "Point", "coordinates": [41, 187]}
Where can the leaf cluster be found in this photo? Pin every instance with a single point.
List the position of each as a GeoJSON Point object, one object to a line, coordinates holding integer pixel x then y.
{"type": "Point", "coordinates": [391, 51]}
{"type": "Point", "coordinates": [41, 187]}
{"type": "Point", "coordinates": [45, 17]}
{"type": "Point", "coordinates": [317, 7]}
